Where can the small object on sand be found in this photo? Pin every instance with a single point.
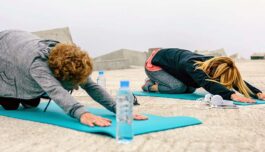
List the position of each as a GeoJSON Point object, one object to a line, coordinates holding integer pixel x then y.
{"type": "Point", "coordinates": [216, 101]}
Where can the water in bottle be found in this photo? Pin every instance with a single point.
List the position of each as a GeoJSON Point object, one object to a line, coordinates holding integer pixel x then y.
{"type": "Point", "coordinates": [124, 113]}
{"type": "Point", "coordinates": [101, 80]}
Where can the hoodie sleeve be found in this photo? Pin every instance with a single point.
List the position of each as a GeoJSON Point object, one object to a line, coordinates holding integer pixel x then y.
{"type": "Point", "coordinates": [99, 95]}
{"type": "Point", "coordinates": [201, 78]}
{"type": "Point", "coordinates": [41, 73]}
{"type": "Point", "coordinates": [252, 88]}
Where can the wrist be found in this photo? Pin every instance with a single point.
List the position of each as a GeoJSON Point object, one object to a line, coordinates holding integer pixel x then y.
{"type": "Point", "coordinates": [86, 114]}
{"type": "Point", "coordinates": [232, 97]}
{"type": "Point", "coordinates": [259, 94]}
{"type": "Point", "coordinates": [83, 115]}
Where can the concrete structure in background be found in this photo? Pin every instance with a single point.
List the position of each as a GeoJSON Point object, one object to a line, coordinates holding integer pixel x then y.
{"type": "Point", "coordinates": [111, 64]}
{"type": "Point", "coordinates": [237, 56]}
{"type": "Point", "coordinates": [218, 52]}
{"type": "Point", "coordinates": [258, 56]}
{"type": "Point", "coordinates": [120, 59]}
{"type": "Point", "coordinates": [150, 50]}
{"type": "Point", "coordinates": [60, 34]}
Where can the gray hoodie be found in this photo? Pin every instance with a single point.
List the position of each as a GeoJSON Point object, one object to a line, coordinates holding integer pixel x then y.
{"type": "Point", "coordinates": [24, 74]}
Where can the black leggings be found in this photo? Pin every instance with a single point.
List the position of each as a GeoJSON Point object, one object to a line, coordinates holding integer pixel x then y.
{"type": "Point", "coordinates": [13, 103]}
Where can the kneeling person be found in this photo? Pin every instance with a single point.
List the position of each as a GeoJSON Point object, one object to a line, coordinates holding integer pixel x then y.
{"type": "Point", "coordinates": [30, 67]}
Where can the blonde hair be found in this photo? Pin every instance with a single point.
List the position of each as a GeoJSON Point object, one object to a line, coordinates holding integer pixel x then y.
{"type": "Point", "coordinates": [224, 71]}
{"type": "Point", "coordinates": [69, 63]}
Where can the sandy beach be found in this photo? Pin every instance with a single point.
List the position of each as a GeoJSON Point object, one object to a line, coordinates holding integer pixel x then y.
{"type": "Point", "coordinates": [223, 130]}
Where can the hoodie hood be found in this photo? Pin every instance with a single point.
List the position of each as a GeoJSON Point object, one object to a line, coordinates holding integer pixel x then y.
{"type": "Point", "coordinates": [47, 45]}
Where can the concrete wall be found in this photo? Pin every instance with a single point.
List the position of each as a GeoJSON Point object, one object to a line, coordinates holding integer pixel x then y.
{"type": "Point", "coordinates": [111, 64]}
{"type": "Point", "coordinates": [219, 52]}
{"type": "Point", "coordinates": [60, 34]}
{"type": "Point", "coordinates": [110, 56]}
{"type": "Point", "coordinates": [132, 57]}
{"type": "Point", "coordinates": [135, 57]}
{"type": "Point", "coordinates": [150, 50]}
{"type": "Point", "coordinates": [120, 59]}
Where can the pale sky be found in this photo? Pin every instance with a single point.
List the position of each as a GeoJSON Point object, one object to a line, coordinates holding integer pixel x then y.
{"type": "Point", "coordinates": [102, 26]}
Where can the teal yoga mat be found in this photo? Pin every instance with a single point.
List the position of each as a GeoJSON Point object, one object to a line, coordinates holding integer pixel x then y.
{"type": "Point", "coordinates": [191, 96]}
{"type": "Point", "coordinates": [55, 116]}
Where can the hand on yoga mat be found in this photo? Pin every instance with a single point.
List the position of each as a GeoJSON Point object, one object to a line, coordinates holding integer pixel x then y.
{"type": "Point", "coordinates": [261, 96]}
{"type": "Point", "coordinates": [239, 98]}
{"type": "Point", "coordinates": [139, 117]}
{"type": "Point", "coordinates": [93, 120]}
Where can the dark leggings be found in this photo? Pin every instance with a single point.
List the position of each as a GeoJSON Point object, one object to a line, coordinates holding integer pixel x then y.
{"type": "Point", "coordinates": [13, 103]}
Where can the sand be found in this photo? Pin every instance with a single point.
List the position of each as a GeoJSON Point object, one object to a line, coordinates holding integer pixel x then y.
{"type": "Point", "coordinates": [222, 129]}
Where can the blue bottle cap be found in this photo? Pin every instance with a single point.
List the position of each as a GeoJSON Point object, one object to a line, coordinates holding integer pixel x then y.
{"type": "Point", "coordinates": [101, 73]}
{"type": "Point", "coordinates": [124, 84]}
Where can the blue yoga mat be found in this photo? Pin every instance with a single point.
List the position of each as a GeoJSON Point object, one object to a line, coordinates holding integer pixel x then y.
{"type": "Point", "coordinates": [190, 96]}
{"type": "Point", "coordinates": [55, 116]}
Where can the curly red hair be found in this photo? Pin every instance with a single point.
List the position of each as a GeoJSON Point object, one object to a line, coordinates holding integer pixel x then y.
{"type": "Point", "coordinates": [69, 63]}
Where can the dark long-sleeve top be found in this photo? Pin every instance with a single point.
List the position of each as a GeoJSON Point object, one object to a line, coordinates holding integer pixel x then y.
{"type": "Point", "coordinates": [180, 63]}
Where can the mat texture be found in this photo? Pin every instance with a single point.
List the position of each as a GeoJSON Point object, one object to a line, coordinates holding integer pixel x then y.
{"type": "Point", "coordinates": [55, 116]}
{"type": "Point", "coordinates": [191, 96]}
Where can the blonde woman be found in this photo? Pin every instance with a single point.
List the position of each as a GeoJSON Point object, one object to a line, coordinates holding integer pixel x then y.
{"type": "Point", "coordinates": [181, 71]}
{"type": "Point", "coordinates": [30, 67]}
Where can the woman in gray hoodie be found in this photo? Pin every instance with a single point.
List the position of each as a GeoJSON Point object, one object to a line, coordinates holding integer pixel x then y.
{"type": "Point", "coordinates": [30, 67]}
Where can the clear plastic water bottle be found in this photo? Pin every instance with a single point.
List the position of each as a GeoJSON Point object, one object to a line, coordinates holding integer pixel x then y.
{"type": "Point", "coordinates": [101, 80]}
{"type": "Point", "coordinates": [124, 113]}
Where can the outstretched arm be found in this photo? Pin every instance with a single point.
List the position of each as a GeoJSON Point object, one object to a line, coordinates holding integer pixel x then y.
{"type": "Point", "coordinates": [202, 79]}
{"type": "Point", "coordinates": [99, 94]}
{"type": "Point", "coordinates": [253, 89]}
{"type": "Point", "coordinates": [43, 76]}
